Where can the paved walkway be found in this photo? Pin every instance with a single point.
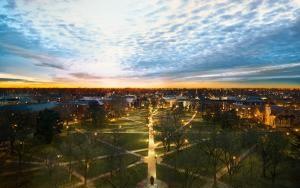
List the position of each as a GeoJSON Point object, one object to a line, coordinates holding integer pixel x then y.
{"type": "Point", "coordinates": [151, 159]}
{"type": "Point", "coordinates": [145, 184]}
{"type": "Point", "coordinates": [223, 171]}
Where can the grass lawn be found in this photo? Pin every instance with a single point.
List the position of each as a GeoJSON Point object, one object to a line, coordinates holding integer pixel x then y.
{"type": "Point", "coordinates": [175, 179]}
{"type": "Point", "coordinates": [135, 175]}
{"type": "Point", "coordinates": [130, 141]}
{"type": "Point", "coordinates": [59, 146]}
{"type": "Point", "coordinates": [13, 166]}
{"type": "Point", "coordinates": [40, 178]}
{"type": "Point", "coordinates": [123, 124]}
{"type": "Point", "coordinates": [190, 156]}
{"type": "Point", "coordinates": [98, 167]}
{"type": "Point", "coordinates": [250, 175]}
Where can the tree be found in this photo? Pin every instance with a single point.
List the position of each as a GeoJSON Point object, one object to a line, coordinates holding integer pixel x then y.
{"type": "Point", "coordinates": [272, 147]}
{"type": "Point", "coordinates": [97, 114]}
{"type": "Point", "coordinates": [165, 131]}
{"type": "Point", "coordinates": [230, 146]}
{"type": "Point", "coordinates": [263, 150]}
{"type": "Point", "coordinates": [115, 152]}
{"type": "Point", "coordinates": [23, 128]}
{"type": "Point", "coordinates": [117, 107]}
{"type": "Point", "coordinates": [294, 140]}
{"type": "Point", "coordinates": [48, 124]}
{"type": "Point", "coordinates": [170, 130]}
{"type": "Point", "coordinates": [120, 177]}
{"type": "Point", "coordinates": [65, 112]}
{"type": "Point", "coordinates": [7, 128]}
{"type": "Point", "coordinates": [67, 148]}
{"type": "Point", "coordinates": [51, 159]}
{"type": "Point", "coordinates": [84, 145]}
{"type": "Point", "coordinates": [16, 128]}
{"type": "Point", "coordinates": [190, 169]}
{"type": "Point", "coordinates": [276, 150]}
{"type": "Point", "coordinates": [178, 134]}
{"type": "Point", "coordinates": [229, 119]}
{"type": "Point", "coordinates": [211, 147]}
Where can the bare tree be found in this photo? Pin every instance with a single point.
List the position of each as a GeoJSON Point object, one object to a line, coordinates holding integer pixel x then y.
{"type": "Point", "coordinates": [115, 152]}
{"type": "Point", "coordinates": [67, 148]}
{"type": "Point", "coordinates": [211, 147]}
{"type": "Point", "coordinates": [190, 169]}
{"type": "Point", "coordinates": [230, 146]}
{"type": "Point", "coordinates": [272, 147]}
{"type": "Point", "coordinates": [120, 178]}
{"type": "Point", "coordinates": [165, 131]}
{"type": "Point", "coordinates": [51, 161]}
{"type": "Point", "coordinates": [84, 145]}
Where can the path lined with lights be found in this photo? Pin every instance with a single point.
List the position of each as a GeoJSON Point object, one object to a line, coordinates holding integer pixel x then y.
{"type": "Point", "coordinates": [151, 159]}
{"type": "Point", "coordinates": [193, 117]}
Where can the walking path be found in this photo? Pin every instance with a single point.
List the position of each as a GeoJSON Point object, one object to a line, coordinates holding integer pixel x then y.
{"type": "Point", "coordinates": [151, 159]}
{"type": "Point", "coordinates": [103, 175]}
{"type": "Point", "coordinates": [223, 171]}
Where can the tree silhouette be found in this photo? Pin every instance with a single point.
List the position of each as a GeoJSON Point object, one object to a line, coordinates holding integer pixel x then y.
{"type": "Point", "coordinates": [48, 124]}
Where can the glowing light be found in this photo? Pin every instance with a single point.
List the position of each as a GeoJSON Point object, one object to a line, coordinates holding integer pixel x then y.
{"type": "Point", "coordinates": [186, 141]}
{"type": "Point", "coordinates": [59, 156]}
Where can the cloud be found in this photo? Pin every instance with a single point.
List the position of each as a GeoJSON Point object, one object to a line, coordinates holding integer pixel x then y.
{"type": "Point", "coordinates": [192, 40]}
{"type": "Point", "coordinates": [14, 80]}
{"type": "Point", "coordinates": [59, 79]}
{"type": "Point", "coordinates": [243, 71]}
{"type": "Point", "coordinates": [43, 60]}
{"type": "Point", "coordinates": [6, 77]}
{"type": "Point", "coordinates": [51, 65]}
{"type": "Point", "coordinates": [82, 75]}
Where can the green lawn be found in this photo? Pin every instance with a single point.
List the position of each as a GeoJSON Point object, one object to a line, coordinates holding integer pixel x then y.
{"type": "Point", "coordinates": [13, 166]}
{"type": "Point", "coordinates": [59, 146]}
{"type": "Point", "coordinates": [175, 179]}
{"type": "Point", "coordinates": [250, 175]}
{"type": "Point", "coordinates": [134, 175]}
{"type": "Point", "coordinates": [40, 178]}
{"type": "Point", "coordinates": [191, 156]}
{"type": "Point", "coordinates": [130, 141]}
{"type": "Point", "coordinates": [98, 167]}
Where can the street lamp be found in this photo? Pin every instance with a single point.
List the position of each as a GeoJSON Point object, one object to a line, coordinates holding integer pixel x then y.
{"type": "Point", "coordinates": [186, 141]}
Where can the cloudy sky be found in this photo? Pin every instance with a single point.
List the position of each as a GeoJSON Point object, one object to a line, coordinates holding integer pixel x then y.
{"type": "Point", "coordinates": [149, 43]}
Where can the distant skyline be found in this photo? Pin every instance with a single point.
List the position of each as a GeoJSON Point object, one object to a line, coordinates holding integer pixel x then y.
{"type": "Point", "coordinates": [150, 43]}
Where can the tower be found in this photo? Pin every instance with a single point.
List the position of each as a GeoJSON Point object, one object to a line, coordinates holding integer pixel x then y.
{"type": "Point", "coordinates": [267, 115]}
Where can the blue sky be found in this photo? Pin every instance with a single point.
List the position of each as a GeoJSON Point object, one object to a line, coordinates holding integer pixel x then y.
{"type": "Point", "coordinates": [142, 43]}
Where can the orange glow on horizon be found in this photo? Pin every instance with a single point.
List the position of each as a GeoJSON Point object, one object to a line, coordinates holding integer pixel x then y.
{"type": "Point", "coordinates": [140, 84]}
